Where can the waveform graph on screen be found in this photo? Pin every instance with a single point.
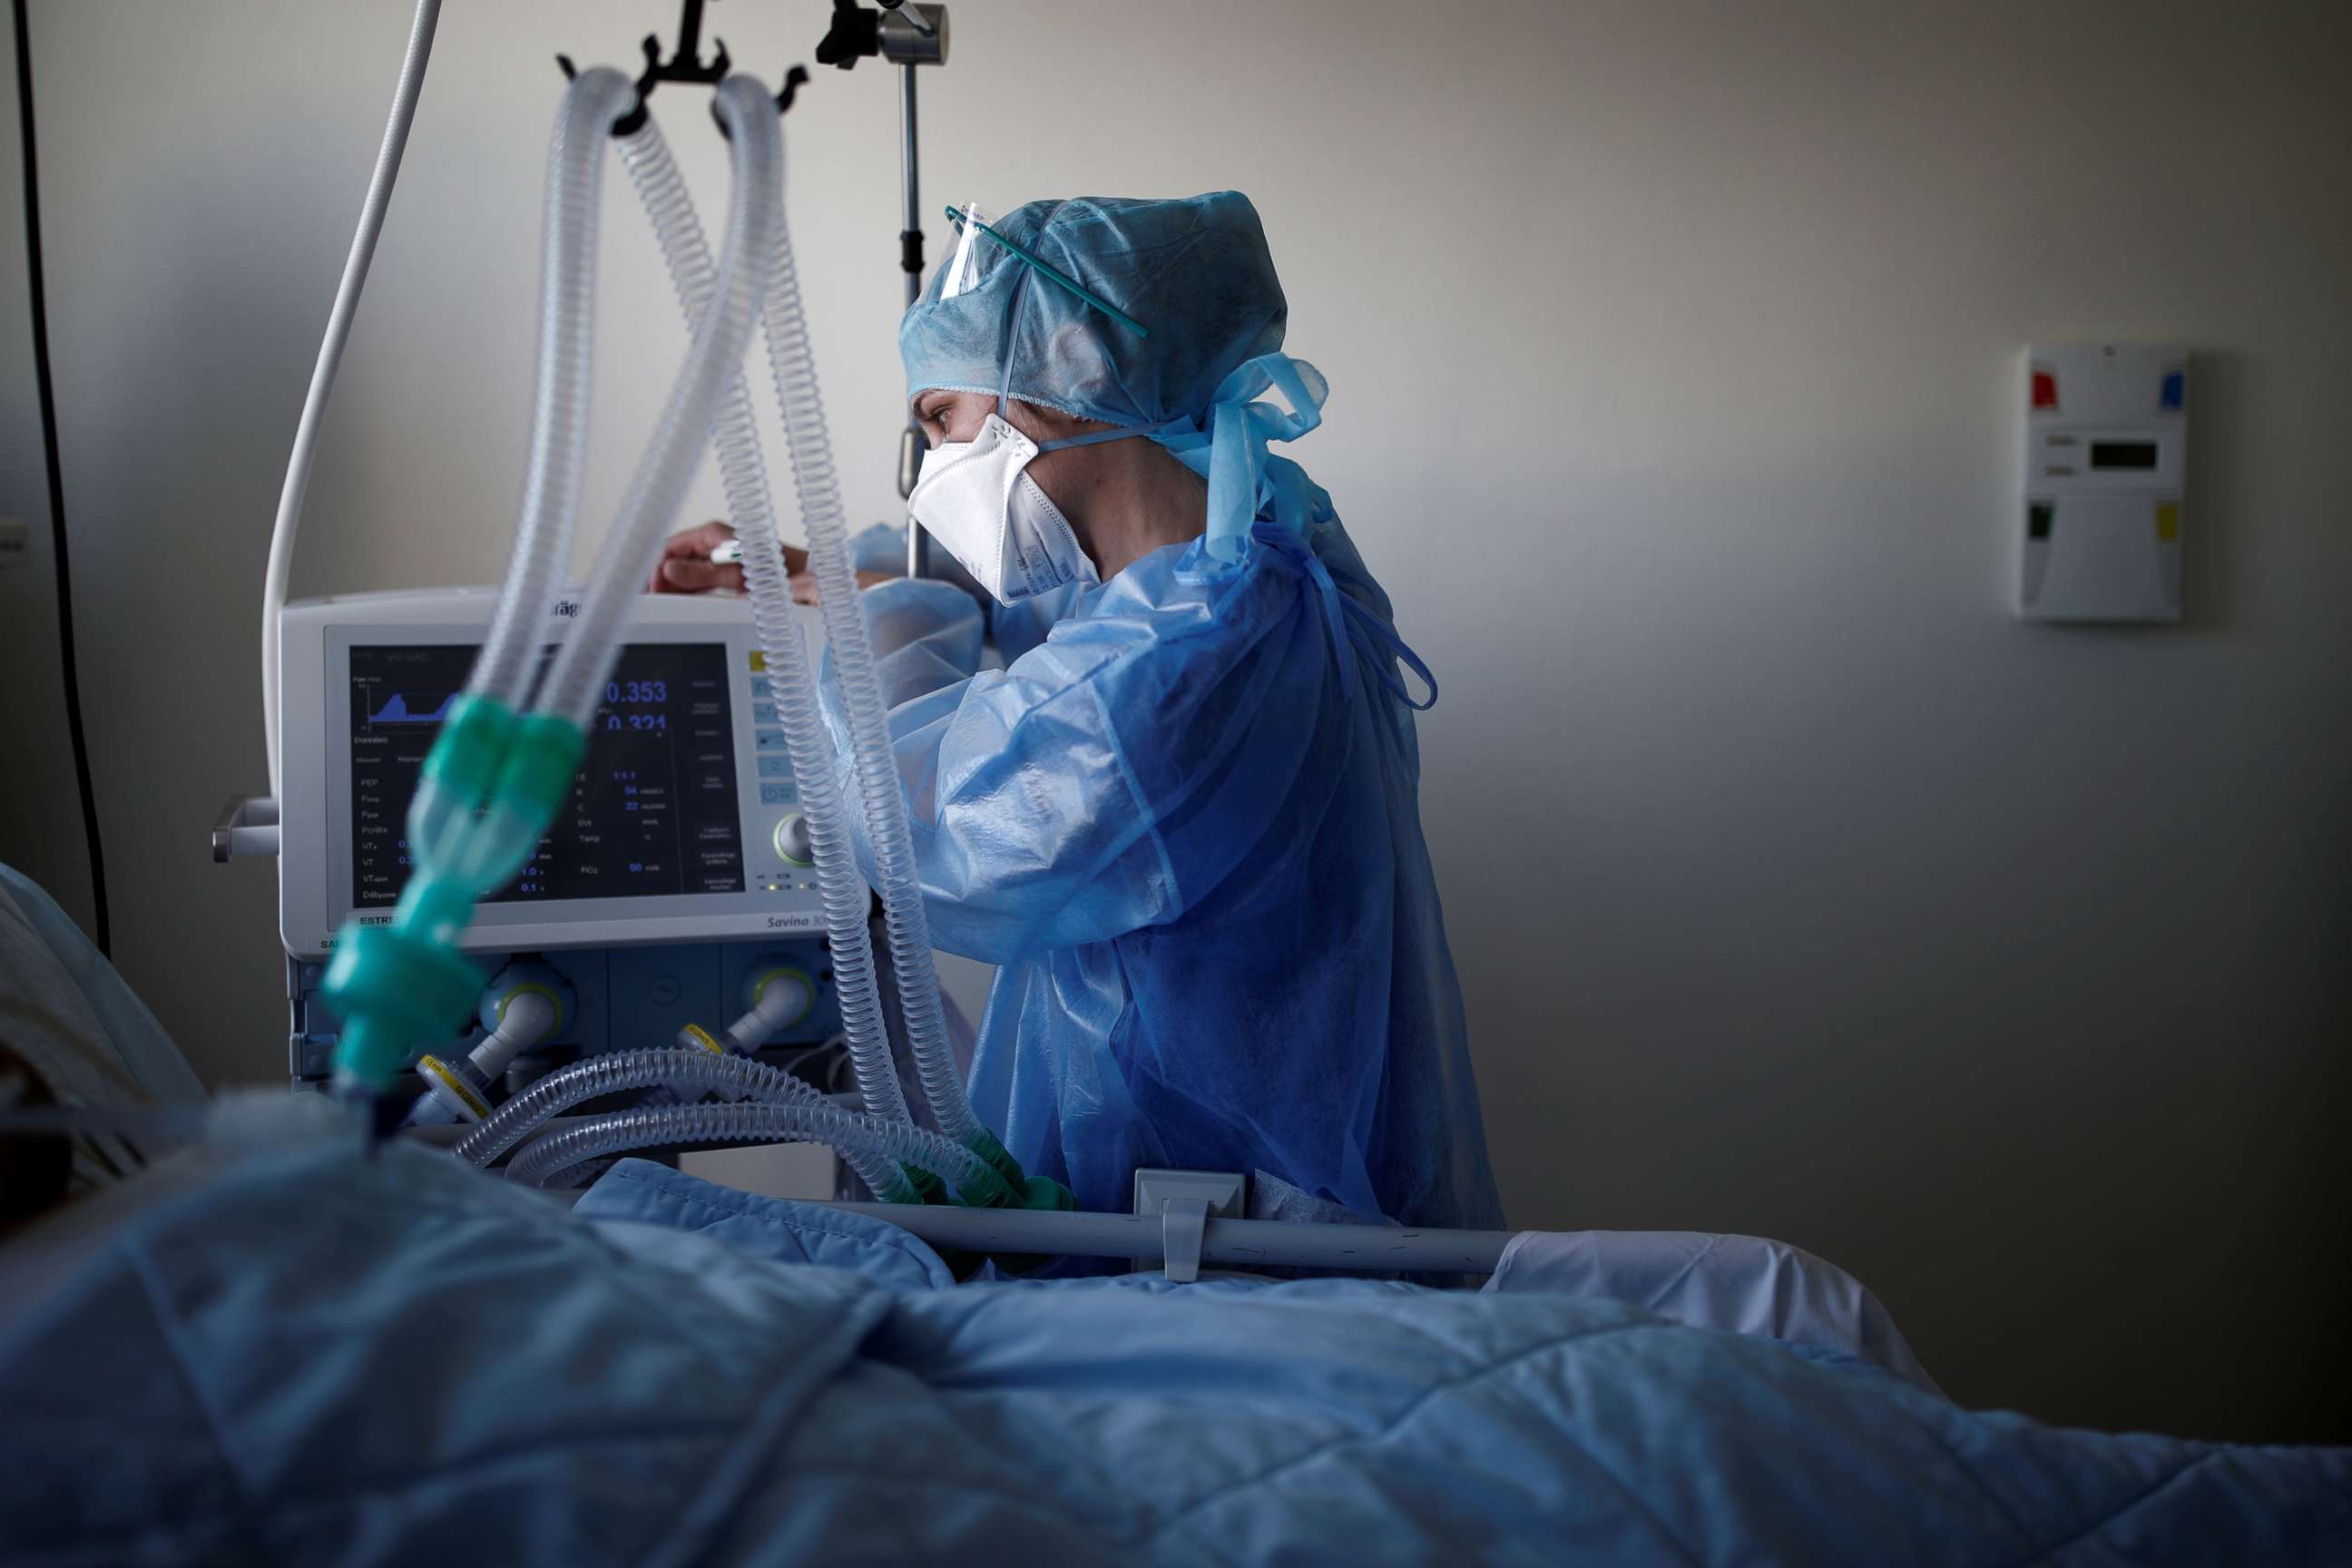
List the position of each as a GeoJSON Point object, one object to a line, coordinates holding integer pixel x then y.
{"type": "Point", "coordinates": [412, 707]}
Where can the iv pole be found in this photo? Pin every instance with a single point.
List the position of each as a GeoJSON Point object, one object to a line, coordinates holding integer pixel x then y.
{"type": "Point", "coordinates": [911, 237]}
{"type": "Point", "coordinates": [906, 34]}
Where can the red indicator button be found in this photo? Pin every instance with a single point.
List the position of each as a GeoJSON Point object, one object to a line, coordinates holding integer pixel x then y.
{"type": "Point", "coordinates": [2045, 390]}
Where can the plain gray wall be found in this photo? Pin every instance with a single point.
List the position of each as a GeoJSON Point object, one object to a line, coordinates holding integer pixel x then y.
{"type": "Point", "coordinates": [1796, 888]}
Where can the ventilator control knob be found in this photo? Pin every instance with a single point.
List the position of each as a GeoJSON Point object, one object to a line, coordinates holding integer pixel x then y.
{"type": "Point", "coordinates": [793, 840]}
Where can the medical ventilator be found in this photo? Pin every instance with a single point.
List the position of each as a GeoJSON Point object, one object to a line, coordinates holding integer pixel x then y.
{"type": "Point", "coordinates": [612, 717]}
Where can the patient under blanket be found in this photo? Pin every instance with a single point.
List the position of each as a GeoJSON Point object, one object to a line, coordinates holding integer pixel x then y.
{"type": "Point", "coordinates": [312, 1354]}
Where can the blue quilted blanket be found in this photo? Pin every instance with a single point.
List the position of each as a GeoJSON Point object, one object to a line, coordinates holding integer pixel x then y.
{"type": "Point", "coordinates": [315, 1357]}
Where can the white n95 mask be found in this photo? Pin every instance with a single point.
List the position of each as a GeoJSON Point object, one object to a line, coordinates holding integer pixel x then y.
{"type": "Point", "coordinates": [978, 501]}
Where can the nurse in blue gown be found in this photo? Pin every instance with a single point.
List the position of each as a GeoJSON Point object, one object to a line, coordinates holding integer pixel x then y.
{"type": "Point", "coordinates": [1182, 819]}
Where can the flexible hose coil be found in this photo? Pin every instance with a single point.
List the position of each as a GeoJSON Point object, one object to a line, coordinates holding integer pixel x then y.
{"type": "Point", "coordinates": [439, 822]}
{"type": "Point", "coordinates": [687, 1072]}
{"type": "Point", "coordinates": [690, 1072]}
{"type": "Point", "coordinates": [743, 473]}
{"type": "Point", "coordinates": [748, 1122]}
{"type": "Point", "coordinates": [559, 423]}
{"type": "Point", "coordinates": [792, 363]}
{"type": "Point", "coordinates": [575, 682]}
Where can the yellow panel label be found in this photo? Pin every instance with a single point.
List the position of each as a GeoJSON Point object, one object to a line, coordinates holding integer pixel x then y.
{"type": "Point", "coordinates": [760, 658]}
{"type": "Point", "coordinates": [2168, 522]}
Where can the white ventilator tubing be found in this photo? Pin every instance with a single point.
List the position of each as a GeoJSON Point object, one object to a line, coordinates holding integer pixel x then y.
{"type": "Point", "coordinates": [559, 429]}
{"type": "Point", "coordinates": [558, 415]}
{"type": "Point", "coordinates": [576, 683]}
{"type": "Point", "coordinates": [687, 1073]}
{"type": "Point", "coordinates": [746, 1122]}
{"type": "Point", "coordinates": [290, 495]}
{"type": "Point", "coordinates": [743, 473]}
{"type": "Point", "coordinates": [793, 364]}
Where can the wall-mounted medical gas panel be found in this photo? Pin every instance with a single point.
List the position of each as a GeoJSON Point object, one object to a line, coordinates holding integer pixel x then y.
{"type": "Point", "coordinates": [2099, 526]}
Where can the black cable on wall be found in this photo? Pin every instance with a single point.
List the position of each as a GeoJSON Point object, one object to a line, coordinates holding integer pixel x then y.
{"type": "Point", "coordinates": [104, 934]}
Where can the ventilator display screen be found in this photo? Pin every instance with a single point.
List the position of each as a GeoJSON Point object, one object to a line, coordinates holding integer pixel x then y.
{"type": "Point", "coordinates": [652, 811]}
{"type": "Point", "coordinates": [2123, 454]}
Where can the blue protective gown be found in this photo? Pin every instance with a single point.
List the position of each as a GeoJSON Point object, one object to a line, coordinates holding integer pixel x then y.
{"type": "Point", "coordinates": [1189, 838]}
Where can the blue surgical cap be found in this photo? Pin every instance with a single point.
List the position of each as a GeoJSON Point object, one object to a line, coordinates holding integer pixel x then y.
{"type": "Point", "coordinates": [1196, 273]}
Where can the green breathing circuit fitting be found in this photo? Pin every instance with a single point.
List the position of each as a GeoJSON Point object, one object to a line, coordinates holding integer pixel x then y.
{"type": "Point", "coordinates": [913, 1185]}
{"type": "Point", "coordinates": [1033, 1193]}
{"type": "Point", "coordinates": [397, 986]}
{"type": "Point", "coordinates": [1018, 1190]}
{"type": "Point", "coordinates": [1010, 1187]}
{"type": "Point", "coordinates": [923, 1187]}
{"type": "Point", "coordinates": [465, 758]}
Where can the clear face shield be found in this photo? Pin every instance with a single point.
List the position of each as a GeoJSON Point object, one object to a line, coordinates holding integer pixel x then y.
{"type": "Point", "coordinates": [976, 224]}
{"type": "Point", "coordinates": [963, 268]}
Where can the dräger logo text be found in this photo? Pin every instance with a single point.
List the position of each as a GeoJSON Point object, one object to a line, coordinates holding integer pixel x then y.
{"type": "Point", "coordinates": [567, 608]}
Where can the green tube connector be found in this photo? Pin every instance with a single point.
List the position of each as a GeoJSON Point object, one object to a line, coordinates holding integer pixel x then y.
{"type": "Point", "coordinates": [1018, 1190]}
{"type": "Point", "coordinates": [456, 778]}
{"type": "Point", "coordinates": [991, 1192]}
{"type": "Point", "coordinates": [400, 985]}
{"type": "Point", "coordinates": [1010, 1187]}
{"type": "Point", "coordinates": [393, 987]}
{"type": "Point", "coordinates": [473, 742]}
{"type": "Point", "coordinates": [534, 777]}
{"type": "Point", "coordinates": [925, 1187]}
{"type": "Point", "coordinates": [1044, 1193]}
{"type": "Point", "coordinates": [909, 1188]}
{"type": "Point", "coordinates": [537, 770]}
{"type": "Point", "coordinates": [434, 909]}
{"type": "Point", "coordinates": [984, 1143]}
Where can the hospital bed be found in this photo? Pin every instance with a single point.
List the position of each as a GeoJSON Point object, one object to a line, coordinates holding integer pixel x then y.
{"type": "Point", "coordinates": [276, 1344]}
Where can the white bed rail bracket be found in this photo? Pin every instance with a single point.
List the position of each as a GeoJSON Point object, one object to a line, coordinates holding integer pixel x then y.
{"type": "Point", "coordinates": [1184, 1201]}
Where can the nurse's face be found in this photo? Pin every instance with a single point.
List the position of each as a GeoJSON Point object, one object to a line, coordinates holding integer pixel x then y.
{"type": "Point", "coordinates": [1067, 475]}
{"type": "Point", "coordinates": [955, 415]}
